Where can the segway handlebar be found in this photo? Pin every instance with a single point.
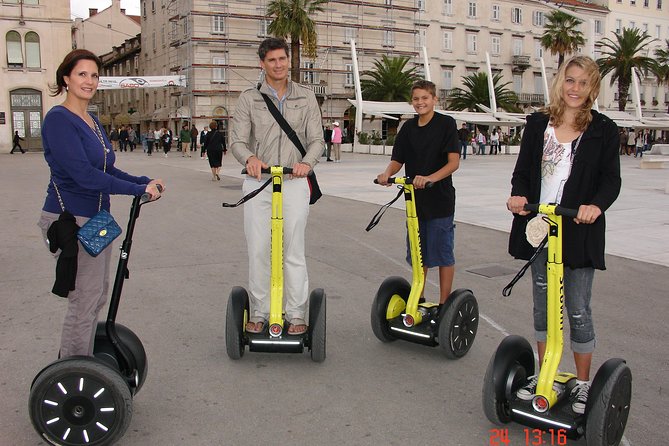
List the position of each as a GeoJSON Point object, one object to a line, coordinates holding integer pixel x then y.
{"type": "Point", "coordinates": [286, 170]}
{"type": "Point", "coordinates": [559, 210]}
{"type": "Point", "coordinates": [404, 180]}
{"type": "Point", "coordinates": [147, 196]}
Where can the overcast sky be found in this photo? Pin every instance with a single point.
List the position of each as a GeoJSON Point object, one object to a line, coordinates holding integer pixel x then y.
{"type": "Point", "coordinates": [79, 8]}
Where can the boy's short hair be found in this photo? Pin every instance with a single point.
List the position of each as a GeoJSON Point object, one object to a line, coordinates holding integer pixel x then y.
{"type": "Point", "coordinates": [271, 44]}
{"type": "Point", "coordinates": [425, 85]}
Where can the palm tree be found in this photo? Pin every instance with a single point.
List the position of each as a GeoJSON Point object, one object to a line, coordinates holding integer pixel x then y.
{"type": "Point", "coordinates": [389, 80]}
{"type": "Point", "coordinates": [561, 35]}
{"type": "Point", "coordinates": [292, 18]}
{"type": "Point", "coordinates": [619, 56]}
{"type": "Point", "coordinates": [476, 92]}
{"type": "Point", "coordinates": [662, 59]}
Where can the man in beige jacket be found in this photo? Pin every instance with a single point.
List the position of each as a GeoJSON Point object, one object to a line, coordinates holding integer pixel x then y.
{"type": "Point", "coordinates": [257, 141]}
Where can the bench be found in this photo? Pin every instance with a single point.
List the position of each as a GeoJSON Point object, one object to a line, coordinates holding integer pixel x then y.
{"type": "Point", "coordinates": [654, 162]}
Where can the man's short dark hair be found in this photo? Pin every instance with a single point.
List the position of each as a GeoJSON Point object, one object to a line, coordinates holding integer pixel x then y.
{"type": "Point", "coordinates": [425, 85]}
{"type": "Point", "coordinates": [271, 44]}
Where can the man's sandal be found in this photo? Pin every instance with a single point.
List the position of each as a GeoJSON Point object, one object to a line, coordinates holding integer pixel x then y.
{"type": "Point", "coordinates": [297, 327]}
{"type": "Point", "coordinates": [256, 325]}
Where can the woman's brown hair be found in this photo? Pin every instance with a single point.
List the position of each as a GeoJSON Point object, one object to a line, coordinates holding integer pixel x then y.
{"type": "Point", "coordinates": [67, 65]}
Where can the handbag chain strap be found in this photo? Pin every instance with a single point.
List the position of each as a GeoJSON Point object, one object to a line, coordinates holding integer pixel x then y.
{"type": "Point", "coordinates": [104, 168]}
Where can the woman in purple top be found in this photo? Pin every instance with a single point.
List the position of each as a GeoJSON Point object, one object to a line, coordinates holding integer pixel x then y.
{"type": "Point", "coordinates": [83, 176]}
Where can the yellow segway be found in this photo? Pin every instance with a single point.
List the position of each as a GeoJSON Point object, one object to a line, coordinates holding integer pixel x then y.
{"type": "Point", "coordinates": [608, 405]}
{"type": "Point", "coordinates": [399, 313]}
{"type": "Point", "coordinates": [274, 336]}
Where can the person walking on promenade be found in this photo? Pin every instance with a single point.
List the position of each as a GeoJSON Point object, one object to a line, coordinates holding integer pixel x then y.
{"type": "Point", "coordinates": [216, 148]}
{"type": "Point", "coordinates": [568, 155]}
{"type": "Point", "coordinates": [166, 140]}
{"type": "Point", "coordinates": [257, 141]}
{"type": "Point", "coordinates": [463, 136]}
{"type": "Point", "coordinates": [327, 137]}
{"type": "Point", "coordinates": [83, 176]}
{"type": "Point", "coordinates": [184, 140]}
{"type": "Point", "coordinates": [481, 141]}
{"type": "Point", "coordinates": [494, 142]}
{"type": "Point", "coordinates": [336, 141]}
{"type": "Point", "coordinates": [150, 141]}
{"type": "Point", "coordinates": [132, 138]}
{"type": "Point", "coordinates": [113, 137]}
{"type": "Point", "coordinates": [16, 143]}
{"type": "Point", "coordinates": [193, 138]}
{"type": "Point", "coordinates": [203, 141]}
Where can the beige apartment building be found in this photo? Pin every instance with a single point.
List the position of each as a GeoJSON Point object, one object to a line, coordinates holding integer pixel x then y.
{"type": "Point", "coordinates": [105, 29]}
{"type": "Point", "coordinates": [37, 35]}
{"type": "Point", "coordinates": [214, 45]}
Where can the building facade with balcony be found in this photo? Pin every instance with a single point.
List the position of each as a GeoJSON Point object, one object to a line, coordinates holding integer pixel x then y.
{"type": "Point", "coordinates": [214, 45]}
{"type": "Point", "coordinates": [36, 38]}
{"type": "Point", "coordinates": [458, 35]}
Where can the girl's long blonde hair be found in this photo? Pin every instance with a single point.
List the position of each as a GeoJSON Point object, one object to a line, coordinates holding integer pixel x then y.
{"type": "Point", "coordinates": [556, 107]}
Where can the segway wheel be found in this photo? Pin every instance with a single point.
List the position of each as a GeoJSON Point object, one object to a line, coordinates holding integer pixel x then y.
{"type": "Point", "coordinates": [235, 320]}
{"type": "Point", "coordinates": [508, 370]}
{"type": "Point", "coordinates": [608, 404]}
{"type": "Point", "coordinates": [317, 324]}
{"type": "Point", "coordinates": [389, 302]}
{"type": "Point", "coordinates": [458, 324]}
{"type": "Point", "coordinates": [80, 401]}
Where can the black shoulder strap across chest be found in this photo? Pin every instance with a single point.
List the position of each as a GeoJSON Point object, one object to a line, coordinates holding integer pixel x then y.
{"type": "Point", "coordinates": [283, 124]}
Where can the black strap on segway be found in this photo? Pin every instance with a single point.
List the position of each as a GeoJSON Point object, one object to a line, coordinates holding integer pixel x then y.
{"type": "Point", "coordinates": [506, 292]}
{"type": "Point", "coordinates": [377, 217]}
{"type": "Point", "coordinates": [248, 196]}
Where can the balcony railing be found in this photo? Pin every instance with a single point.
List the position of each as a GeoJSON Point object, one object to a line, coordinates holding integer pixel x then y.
{"type": "Point", "coordinates": [520, 62]}
{"type": "Point", "coordinates": [530, 98]}
{"type": "Point", "coordinates": [319, 89]}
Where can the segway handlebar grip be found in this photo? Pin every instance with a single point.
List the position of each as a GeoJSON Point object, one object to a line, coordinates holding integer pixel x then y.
{"type": "Point", "coordinates": [559, 210]}
{"type": "Point", "coordinates": [407, 180]}
{"type": "Point", "coordinates": [286, 170]}
{"type": "Point", "coordinates": [147, 196]}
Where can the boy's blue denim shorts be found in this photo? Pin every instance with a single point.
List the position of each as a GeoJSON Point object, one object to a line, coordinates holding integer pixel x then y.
{"type": "Point", "coordinates": [437, 240]}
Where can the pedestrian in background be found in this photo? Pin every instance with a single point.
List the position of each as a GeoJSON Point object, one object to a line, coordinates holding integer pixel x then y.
{"type": "Point", "coordinates": [336, 141]}
{"type": "Point", "coordinates": [327, 137]}
{"type": "Point", "coordinates": [193, 138]}
{"type": "Point", "coordinates": [17, 142]}
{"type": "Point", "coordinates": [463, 137]}
{"type": "Point", "coordinates": [216, 148]}
{"type": "Point", "coordinates": [184, 140]}
{"type": "Point", "coordinates": [150, 140]}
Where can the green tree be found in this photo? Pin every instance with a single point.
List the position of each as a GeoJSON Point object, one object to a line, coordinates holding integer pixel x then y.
{"type": "Point", "coordinates": [292, 18]}
{"type": "Point", "coordinates": [389, 81]}
{"type": "Point", "coordinates": [623, 53]}
{"type": "Point", "coordinates": [561, 35]}
{"type": "Point", "coordinates": [662, 60]}
{"type": "Point", "coordinates": [476, 92]}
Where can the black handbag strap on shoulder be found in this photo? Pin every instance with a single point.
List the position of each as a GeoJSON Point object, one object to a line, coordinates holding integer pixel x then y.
{"type": "Point", "coordinates": [283, 124]}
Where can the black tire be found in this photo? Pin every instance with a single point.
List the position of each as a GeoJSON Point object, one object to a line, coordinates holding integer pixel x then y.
{"type": "Point", "coordinates": [390, 287]}
{"type": "Point", "coordinates": [507, 370]}
{"type": "Point", "coordinates": [235, 317]}
{"type": "Point", "coordinates": [80, 401]}
{"type": "Point", "coordinates": [317, 324]}
{"type": "Point", "coordinates": [608, 404]}
{"type": "Point", "coordinates": [104, 350]}
{"type": "Point", "coordinates": [458, 324]}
